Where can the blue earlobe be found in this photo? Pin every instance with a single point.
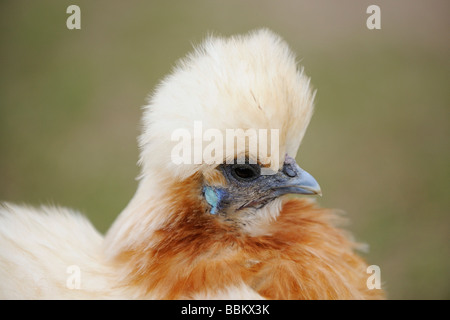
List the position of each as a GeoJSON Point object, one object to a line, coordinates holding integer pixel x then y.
{"type": "Point", "coordinates": [213, 197]}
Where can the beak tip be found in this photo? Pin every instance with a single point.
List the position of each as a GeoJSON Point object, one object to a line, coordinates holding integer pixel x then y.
{"type": "Point", "coordinates": [309, 183]}
{"type": "Point", "coordinates": [315, 191]}
{"type": "Point", "coordinates": [319, 191]}
{"type": "Point", "coordinates": [297, 180]}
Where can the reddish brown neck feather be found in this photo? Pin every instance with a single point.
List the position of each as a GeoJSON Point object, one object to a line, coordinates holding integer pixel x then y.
{"type": "Point", "coordinates": [303, 256]}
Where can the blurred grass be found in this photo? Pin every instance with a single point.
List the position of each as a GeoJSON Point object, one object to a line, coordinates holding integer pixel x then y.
{"type": "Point", "coordinates": [378, 143]}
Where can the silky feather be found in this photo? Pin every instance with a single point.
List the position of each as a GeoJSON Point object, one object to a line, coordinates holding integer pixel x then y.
{"type": "Point", "coordinates": [164, 244]}
{"type": "Point", "coordinates": [302, 255]}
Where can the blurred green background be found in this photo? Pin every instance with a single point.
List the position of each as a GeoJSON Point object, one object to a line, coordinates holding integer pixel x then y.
{"type": "Point", "coordinates": [70, 106]}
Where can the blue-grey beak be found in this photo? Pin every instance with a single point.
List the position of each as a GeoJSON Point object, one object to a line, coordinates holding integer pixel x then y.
{"type": "Point", "coordinates": [293, 179]}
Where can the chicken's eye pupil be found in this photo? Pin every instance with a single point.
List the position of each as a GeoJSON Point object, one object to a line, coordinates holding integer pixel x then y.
{"type": "Point", "coordinates": [245, 172]}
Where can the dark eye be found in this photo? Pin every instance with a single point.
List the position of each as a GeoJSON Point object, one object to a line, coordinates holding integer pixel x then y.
{"type": "Point", "coordinates": [245, 172]}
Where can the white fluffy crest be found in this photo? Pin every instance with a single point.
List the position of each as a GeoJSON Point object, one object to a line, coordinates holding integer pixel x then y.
{"type": "Point", "coordinates": [244, 82]}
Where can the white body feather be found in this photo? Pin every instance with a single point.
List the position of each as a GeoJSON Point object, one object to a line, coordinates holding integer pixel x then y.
{"type": "Point", "coordinates": [41, 251]}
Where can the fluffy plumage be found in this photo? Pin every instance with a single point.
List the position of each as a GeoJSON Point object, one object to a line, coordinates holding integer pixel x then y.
{"type": "Point", "coordinates": [166, 244]}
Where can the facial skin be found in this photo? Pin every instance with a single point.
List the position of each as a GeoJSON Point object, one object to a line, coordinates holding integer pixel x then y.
{"type": "Point", "coordinates": [247, 190]}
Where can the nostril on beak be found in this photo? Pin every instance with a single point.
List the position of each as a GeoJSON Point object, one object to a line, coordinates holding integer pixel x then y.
{"type": "Point", "coordinates": [289, 171]}
{"type": "Point", "coordinates": [288, 167]}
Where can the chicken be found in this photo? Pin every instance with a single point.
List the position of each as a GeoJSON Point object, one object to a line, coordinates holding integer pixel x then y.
{"type": "Point", "coordinates": [215, 221]}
